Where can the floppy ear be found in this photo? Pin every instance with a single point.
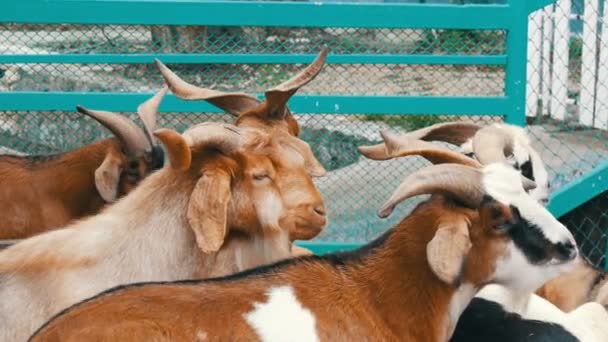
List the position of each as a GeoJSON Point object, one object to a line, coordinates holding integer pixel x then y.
{"type": "Point", "coordinates": [107, 177]}
{"type": "Point", "coordinates": [448, 250]}
{"type": "Point", "coordinates": [208, 209]}
{"type": "Point", "coordinates": [177, 148]}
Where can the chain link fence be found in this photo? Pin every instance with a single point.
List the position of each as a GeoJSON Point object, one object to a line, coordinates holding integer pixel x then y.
{"type": "Point", "coordinates": [568, 98]}
{"type": "Point", "coordinates": [356, 187]}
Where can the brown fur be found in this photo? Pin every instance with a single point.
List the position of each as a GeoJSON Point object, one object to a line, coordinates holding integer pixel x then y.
{"type": "Point", "coordinates": [575, 288]}
{"type": "Point", "coordinates": [49, 194]}
{"type": "Point", "coordinates": [388, 293]}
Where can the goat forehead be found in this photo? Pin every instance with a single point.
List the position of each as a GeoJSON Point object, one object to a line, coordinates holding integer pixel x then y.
{"type": "Point", "coordinates": [504, 185]}
{"type": "Point", "coordinates": [282, 317]}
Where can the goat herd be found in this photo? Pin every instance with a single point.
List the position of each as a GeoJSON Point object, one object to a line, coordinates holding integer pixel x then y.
{"type": "Point", "coordinates": [110, 242]}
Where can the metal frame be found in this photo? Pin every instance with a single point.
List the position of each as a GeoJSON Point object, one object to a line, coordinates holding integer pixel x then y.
{"type": "Point", "coordinates": [511, 17]}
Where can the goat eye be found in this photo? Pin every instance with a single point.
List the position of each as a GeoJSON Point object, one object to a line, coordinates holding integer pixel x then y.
{"type": "Point", "coordinates": [261, 176]}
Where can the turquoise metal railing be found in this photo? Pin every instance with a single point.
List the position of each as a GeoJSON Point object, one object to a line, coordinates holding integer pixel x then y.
{"type": "Point", "coordinates": [512, 17]}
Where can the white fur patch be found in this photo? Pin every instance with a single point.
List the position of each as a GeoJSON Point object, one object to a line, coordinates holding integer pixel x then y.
{"type": "Point", "coordinates": [269, 208]}
{"type": "Point", "coordinates": [541, 177]}
{"type": "Point", "coordinates": [509, 272]}
{"type": "Point", "coordinates": [282, 318]}
{"type": "Point", "coordinates": [460, 301]}
{"type": "Point", "coordinates": [504, 185]}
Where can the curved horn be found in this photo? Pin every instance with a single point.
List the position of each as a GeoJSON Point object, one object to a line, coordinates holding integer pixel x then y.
{"type": "Point", "coordinates": [459, 181]}
{"type": "Point", "coordinates": [132, 137]}
{"type": "Point", "coordinates": [224, 137]}
{"type": "Point", "coordinates": [492, 144]}
{"type": "Point", "coordinates": [148, 111]}
{"type": "Point", "coordinates": [399, 147]}
{"type": "Point", "coordinates": [233, 103]}
{"type": "Point", "coordinates": [277, 97]}
{"type": "Point", "coordinates": [455, 133]}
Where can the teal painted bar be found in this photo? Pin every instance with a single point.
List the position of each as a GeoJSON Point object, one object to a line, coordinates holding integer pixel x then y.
{"type": "Point", "coordinates": [314, 104]}
{"type": "Point", "coordinates": [252, 59]}
{"type": "Point", "coordinates": [534, 5]}
{"type": "Point", "coordinates": [257, 13]}
{"type": "Point", "coordinates": [320, 248]}
{"type": "Point", "coordinates": [517, 52]}
{"type": "Point", "coordinates": [579, 191]}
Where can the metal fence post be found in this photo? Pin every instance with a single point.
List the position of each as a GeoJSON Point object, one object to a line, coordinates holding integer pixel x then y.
{"type": "Point", "coordinates": [517, 55]}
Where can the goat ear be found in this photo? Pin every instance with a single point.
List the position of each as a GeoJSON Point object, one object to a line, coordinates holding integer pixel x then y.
{"type": "Point", "coordinates": [448, 250]}
{"type": "Point", "coordinates": [208, 209]}
{"type": "Point", "coordinates": [107, 177]}
{"type": "Point", "coordinates": [177, 148]}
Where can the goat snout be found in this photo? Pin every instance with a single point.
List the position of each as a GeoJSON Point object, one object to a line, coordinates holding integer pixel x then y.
{"type": "Point", "coordinates": [566, 251]}
{"type": "Point", "coordinates": [311, 218]}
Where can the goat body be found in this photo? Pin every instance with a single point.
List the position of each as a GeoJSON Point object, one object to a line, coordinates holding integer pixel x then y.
{"type": "Point", "coordinates": [390, 290]}
{"type": "Point", "coordinates": [352, 295]}
{"type": "Point", "coordinates": [37, 195]}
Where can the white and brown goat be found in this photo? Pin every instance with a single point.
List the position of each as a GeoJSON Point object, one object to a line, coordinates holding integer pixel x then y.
{"type": "Point", "coordinates": [487, 144]}
{"type": "Point", "coordinates": [41, 193]}
{"type": "Point", "coordinates": [411, 284]}
{"type": "Point", "coordinates": [503, 313]}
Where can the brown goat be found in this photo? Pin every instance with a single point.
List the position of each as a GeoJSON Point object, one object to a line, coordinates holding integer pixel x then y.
{"type": "Point", "coordinates": [217, 210]}
{"type": "Point", "coordinates": [272, 116]}
{"type": "Point", "coordinates": [41, 193]}
{"type": "Point", "coordinates": [411, 284]}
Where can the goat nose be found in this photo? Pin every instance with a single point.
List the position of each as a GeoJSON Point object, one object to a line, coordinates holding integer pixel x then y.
{"type": "Point", "coordinates": [320, 209]}
{"type": "Point", "coordinates": [567, 251]}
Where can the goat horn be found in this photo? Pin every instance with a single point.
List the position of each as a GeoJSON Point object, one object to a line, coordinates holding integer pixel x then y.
{"type": "Point", "coordinates": [455, 133]}
{"type": "Point", "coordinates": [491, 144]}
{"type": "Point", "coordinates": [132, 137]}
{"type": "Point", "coordinates": [226, 138]}
{"type": "Point", "coordinates": [234, 103]}
{"type": "Point", "coordinates": [431, 152]}
{"type": "Point", "coordinates": [148, 112]}
{"type": "Point", "coordinates": [277, 97]}
{"type": "Point", "coordinates": [459, 181]}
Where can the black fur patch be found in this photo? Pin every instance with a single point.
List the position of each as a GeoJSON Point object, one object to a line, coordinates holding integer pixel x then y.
{"type": "Point", "coordinates": [157, 158]}
{"type": "Point", "coordinates": [530, 239]}
{"type": "Point", "coordinates": [527, 170]}
{"type": "Point", "coordinates": [487, 321]}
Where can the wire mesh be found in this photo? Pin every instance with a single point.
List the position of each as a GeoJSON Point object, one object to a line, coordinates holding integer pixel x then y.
{"type": "Point", "coordinates": [355, 188]}
{"type": "Point", "coordinates": [568, 103]}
